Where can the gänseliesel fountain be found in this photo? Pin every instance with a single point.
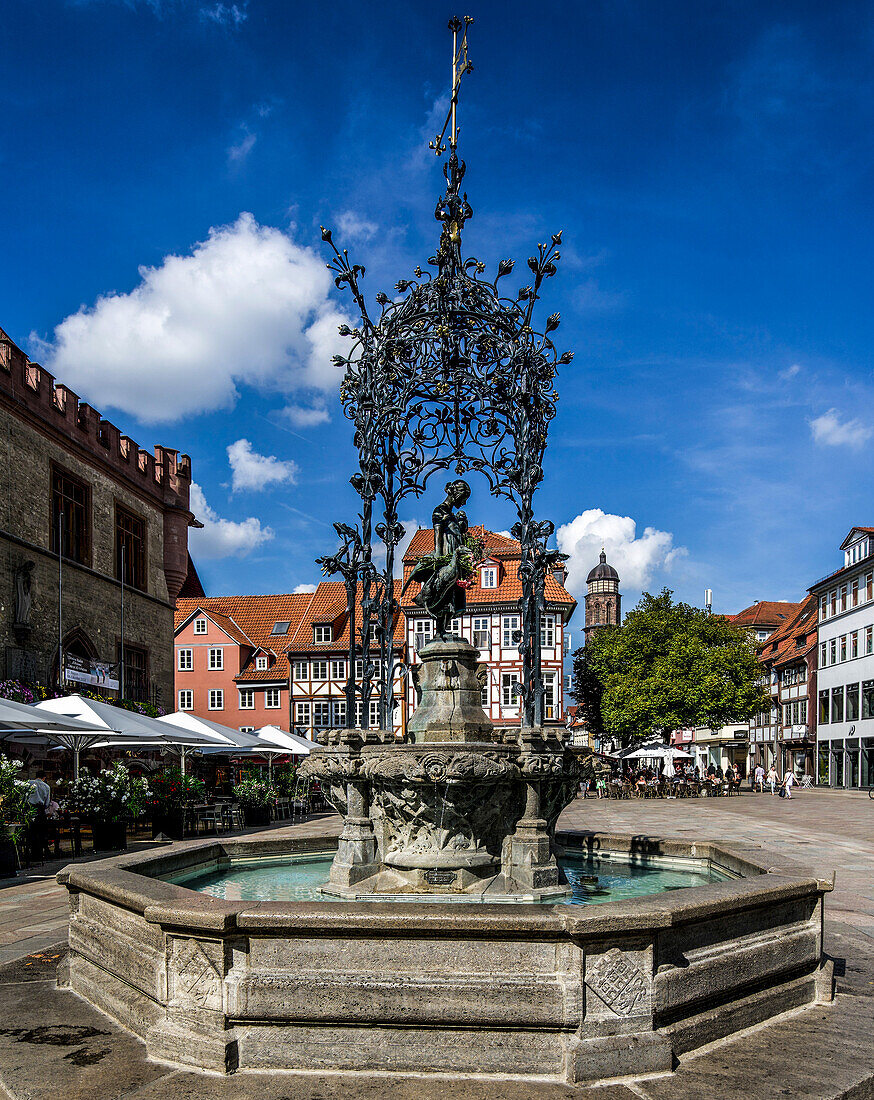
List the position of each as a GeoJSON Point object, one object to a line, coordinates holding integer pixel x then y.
{"type": "Point", "coordinates": [449, 377]}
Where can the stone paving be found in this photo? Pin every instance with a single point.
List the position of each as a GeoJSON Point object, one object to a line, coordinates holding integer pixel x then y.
{"type": "Point", "coordinates": [53, 1043]}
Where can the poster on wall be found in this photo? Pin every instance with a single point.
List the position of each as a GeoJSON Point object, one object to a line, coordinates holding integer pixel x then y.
{"type": "Point", "coordinates": [84, 670]}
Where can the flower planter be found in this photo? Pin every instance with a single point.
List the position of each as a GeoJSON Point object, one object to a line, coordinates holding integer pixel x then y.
{"type": "Point", "coordinates": [256, 815]}
{"type": "Point", "coordinates": [8, 857]}
{"type": "Point", "coordinates": [109, 836]}
{"type": "Point", "coordinates": [171, 824]}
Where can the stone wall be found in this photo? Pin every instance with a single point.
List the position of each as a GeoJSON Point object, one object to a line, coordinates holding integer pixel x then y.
{"type": "Point", "coordinates": [41, 425]}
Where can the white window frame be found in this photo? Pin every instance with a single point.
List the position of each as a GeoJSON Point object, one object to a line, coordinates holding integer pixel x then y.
{"type": "Point", "coordinates": [323, 634]}
{"type": "Point", "coordinates": [321, 714]}
{"type": "Point", "coordinates": [186, 699]}
{"type": "Point", "coordinates": [340, 713]}
{"type": "Point", "coordinates": [200, 626]}
{"type": "Point", "coordinates": [423, 632]}
{"type": "Point", "coordinates": [301, 670]}
{"type": "Point", "coordinates": [338, 669]}
{"type": "Point", "coordinates": [489, 576]}
{"type": "Point", "coordinates": [216, 699]}
{"type": "Point", "coordinates": [320, 670]}
{"type": "Point", "coordinates": [303, 713]}
{"type": "Point", "coordinates": [551, 707]}
{"type": "Point", "coordinates": [547, 632]}
{"type": "Point", "coordinates": [509, 700]}
{"type": "Point", "coordinates": [481, 632]}
{"type": "Point", "coordinates": [247, 698]}
{"type": "Point", "coordinates": [216, 659]}
{"type": "Point", "coordinates": [185, 660]}
{"type": "Point", "coordinates": [262, 661]}
{"type": "Point", "coordinates": [271, 694]}
{"type": "Point", "coordinates": [247, 729]}
{"type": "Point", "coordinates": [509, 626]}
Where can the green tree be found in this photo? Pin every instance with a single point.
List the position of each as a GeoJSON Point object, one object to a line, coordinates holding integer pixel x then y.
{"type": "Point", "coordinates": [667, 667]}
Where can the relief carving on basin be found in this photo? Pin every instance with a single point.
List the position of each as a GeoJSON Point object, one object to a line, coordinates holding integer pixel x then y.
{"type": "Point", "coordinates": [443, 808]}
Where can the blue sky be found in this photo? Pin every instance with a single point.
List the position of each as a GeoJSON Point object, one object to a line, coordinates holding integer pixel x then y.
{"type": "Point", "coordinates": [167, 164]}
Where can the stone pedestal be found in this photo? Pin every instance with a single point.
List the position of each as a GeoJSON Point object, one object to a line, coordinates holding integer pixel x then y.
{"type": "Point", "coordinates": [451, 709]}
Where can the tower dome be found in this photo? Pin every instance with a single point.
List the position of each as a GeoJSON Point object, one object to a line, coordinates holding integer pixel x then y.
{"type": "Point", "coordinates": [603, 600]}
{"type": "Point", "coordinates": [602, 571]}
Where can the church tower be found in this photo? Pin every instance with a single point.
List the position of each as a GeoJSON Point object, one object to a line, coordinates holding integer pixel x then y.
{"type": "Point", "coordinates": [603, 601]}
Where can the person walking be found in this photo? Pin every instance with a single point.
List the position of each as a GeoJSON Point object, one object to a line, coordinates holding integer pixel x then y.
{"type": "Point", "coordinates": [788, 782]}
{"type": "Point", "coordinates": [759, 783]}
{"type": "Point", "coordinates": [772, 779]}
{"type": "Point", "coordinates": [39, 796]}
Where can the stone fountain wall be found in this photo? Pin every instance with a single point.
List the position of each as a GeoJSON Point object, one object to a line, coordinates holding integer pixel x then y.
{"type": "Point", "coordinates": [563, 993]}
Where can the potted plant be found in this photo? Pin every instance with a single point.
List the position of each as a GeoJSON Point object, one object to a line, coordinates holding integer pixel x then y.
{"type": "Point", "coordinates": [170, 793]}
{"type": "Point", "coordinates": [15, 813]}
{"type": "Point", "coordinates": [256, 797]}
{"type": "Point", "coordinates": [109, 801]}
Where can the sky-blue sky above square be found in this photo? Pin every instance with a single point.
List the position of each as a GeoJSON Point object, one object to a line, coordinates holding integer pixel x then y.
{"type": "Point", "coordinates": [167, 165]}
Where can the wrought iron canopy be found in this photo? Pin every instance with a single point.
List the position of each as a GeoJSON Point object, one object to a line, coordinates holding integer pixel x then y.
{"type": "Point", "coordinates": [450, 373]}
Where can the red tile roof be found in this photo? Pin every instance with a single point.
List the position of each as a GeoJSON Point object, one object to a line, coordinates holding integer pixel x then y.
{"type": "Point", "coordinates": [765, 613]}
{"type": "Point", "coordinates": [249, 620]}
{"type": "Point", "coordinates": [507, 552]}
{"type": "Point", "coordinates": [782, 647]}
{"type": "Point", "coordinates": [254, 617]}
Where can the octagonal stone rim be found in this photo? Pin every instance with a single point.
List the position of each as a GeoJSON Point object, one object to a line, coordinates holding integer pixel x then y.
{"type": "Point", "coordinates": [131, 881]}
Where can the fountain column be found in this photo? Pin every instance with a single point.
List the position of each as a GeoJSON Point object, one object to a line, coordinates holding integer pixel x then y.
{"type": "Point", "coordinates": [529, 861]}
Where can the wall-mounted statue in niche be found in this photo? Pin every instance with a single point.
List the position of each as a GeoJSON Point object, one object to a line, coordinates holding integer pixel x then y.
{"type": "Point", "coordinates": [23, 598]}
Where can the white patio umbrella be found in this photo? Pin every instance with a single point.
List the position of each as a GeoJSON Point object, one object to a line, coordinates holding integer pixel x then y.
{"type": "Point", "coordinates": [656, 750]}
{"type": "Point", "coordinates": [121, 728]}
{"type": "Point", "coordinates": [250, 745]}
{"type": "Point", "coordinates": [290, 744]}
{"type": "Point", "coordinates": [215, 738]}
{"type": "Point", "coordinates": [25, 723]}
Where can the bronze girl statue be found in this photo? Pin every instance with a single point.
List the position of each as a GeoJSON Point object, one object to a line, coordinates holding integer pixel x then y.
{"type": "Point", "coordinates": [439, 573]}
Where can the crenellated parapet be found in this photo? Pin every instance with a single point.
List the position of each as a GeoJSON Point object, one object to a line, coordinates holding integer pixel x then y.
{"type": "Point", "coordinates": [164, 474]}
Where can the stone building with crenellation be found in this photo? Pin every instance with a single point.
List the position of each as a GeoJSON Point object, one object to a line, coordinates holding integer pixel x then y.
{"type": "Point", "coordinates": [85, 515]}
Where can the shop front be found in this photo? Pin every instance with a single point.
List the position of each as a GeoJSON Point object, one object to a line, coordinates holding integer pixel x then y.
{"type": "Point", "coordinates": [796, 753]}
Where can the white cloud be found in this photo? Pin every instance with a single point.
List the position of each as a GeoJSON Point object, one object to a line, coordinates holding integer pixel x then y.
{"type": "Point", "coordinates": [303, 417]}
{"type": "Point", "coordinates": [223, 538]}
{"type": "Point", "coordinates": [352, 226]}
{"type": "Point", "coordinates": [634, 559]}
{"type": "Point", "coordinates": [830, 431]}
{"type": "Point", "coordinates": [790, 372]}
{"type": "Point", "coordinates": [246, 305]}
{"type": "Point", "coordinates": [305, 588]}
{"type": "Point", "coordinates": [238, 153]}
{"type": "Point", "coordinates": [226, 15]}
{"type": "Point", "coordinates": [254, 471]}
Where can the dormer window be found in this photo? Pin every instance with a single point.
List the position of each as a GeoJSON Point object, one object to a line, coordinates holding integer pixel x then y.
{"type": "Point", "coordinates": [322, 634]}
{"type": "Point", "coordinates": [200, 626]}
{"type": "Point", "coordinates": [261, 662]}
{"type": "Point", "coordinates": [489, 576]}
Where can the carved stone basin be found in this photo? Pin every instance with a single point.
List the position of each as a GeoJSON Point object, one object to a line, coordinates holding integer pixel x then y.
{"type": "Point", "coordinates": [462, 807]}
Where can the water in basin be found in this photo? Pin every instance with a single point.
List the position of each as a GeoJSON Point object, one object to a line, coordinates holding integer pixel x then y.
{"type": "Point", "coordinates": [298, 878]}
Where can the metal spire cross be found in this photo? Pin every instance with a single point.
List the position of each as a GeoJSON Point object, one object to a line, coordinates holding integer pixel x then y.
{"type": "Point", "coordinates": [460, 66]}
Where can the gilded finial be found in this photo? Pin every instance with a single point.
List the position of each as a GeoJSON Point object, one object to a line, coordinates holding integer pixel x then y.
{"type": "Point", "coordinates": [460, 66]}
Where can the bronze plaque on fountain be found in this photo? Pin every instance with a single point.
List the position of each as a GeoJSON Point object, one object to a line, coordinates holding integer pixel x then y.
{"type": "Point", "coordinates": [440, 878]}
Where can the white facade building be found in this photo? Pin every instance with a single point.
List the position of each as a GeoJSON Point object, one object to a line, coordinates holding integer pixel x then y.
{"type": "Point", "coordinates": [845, 676]}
